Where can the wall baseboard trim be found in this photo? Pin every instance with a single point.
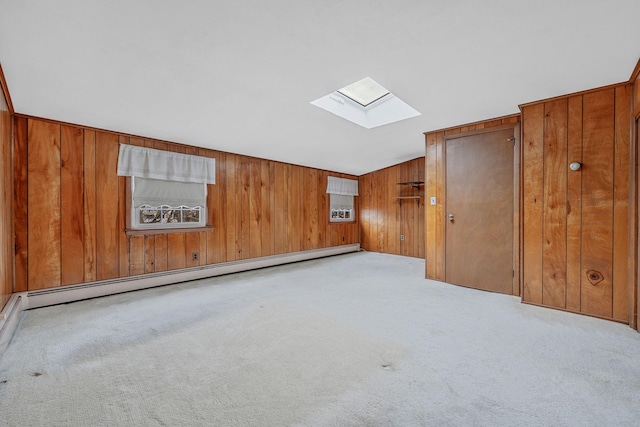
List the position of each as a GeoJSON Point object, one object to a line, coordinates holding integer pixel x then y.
{"type": "Point", "coordinates": [9, 318]}
{"type": "Point", "coordinates": [18, 302]}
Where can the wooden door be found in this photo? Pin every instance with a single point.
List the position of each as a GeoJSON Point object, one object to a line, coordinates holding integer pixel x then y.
{"type": "Point", "coordinates": [479, 211]}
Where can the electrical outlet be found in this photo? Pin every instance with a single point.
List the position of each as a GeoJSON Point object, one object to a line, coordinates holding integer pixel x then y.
{"type": "Point", "coordinates": [402, 237]}
{"type": "Point", "coordinates": [433, 201]}
{"type": "Point", "coordinates": [194, 256]}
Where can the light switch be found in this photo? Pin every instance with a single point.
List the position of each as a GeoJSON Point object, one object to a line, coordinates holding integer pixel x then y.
{"type": "Point", "coordinates": [433, 201]}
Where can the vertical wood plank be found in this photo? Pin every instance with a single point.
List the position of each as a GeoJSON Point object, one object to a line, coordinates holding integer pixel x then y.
{"type": "Point", "coordinates": [107, 212]}
{"type": "Point", "coordinates": [90, 209]}
{"type": "Point", "coordinates": [266, 209]}
{"type": "Point", "coordinates": [621, 203]}
{"type": "Point", "coordinates": [245, 206]}
{"type": "Point", "coordinates": [230, 209]}
{"type": "Point", "coordinates": [311, 194]}
{"type": "Point", "coordinates": [255, 208]}
{"type": "Point", "coordinates": [20, 205]}
{"type": "Point", "coordinates": [440, 208]}
{"type": "Point", "coordinates": [136, 258]}
{"type": "Point", "coordinates": [597, 203]}
{"type": "Point", "coordinates": [554, 217]}
{"type": "Point", "coordinates": [421, 214]}
{"type": "Point", "coordinates": [532, 171]}
{"type": "Point", "coordinates": [156, 253]}
{"type": "Point", "coordinates": [279, 202]}
{"type": "Point", "coordinates": [44, 204]}
{"type": "Point", "coordinates": [72, 220]}
{"type": "Point", "coordinates": [574, 204]}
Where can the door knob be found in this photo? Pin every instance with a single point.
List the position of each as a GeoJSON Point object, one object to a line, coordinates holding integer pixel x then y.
{"type": "Point", "coordinates": [450, 216]}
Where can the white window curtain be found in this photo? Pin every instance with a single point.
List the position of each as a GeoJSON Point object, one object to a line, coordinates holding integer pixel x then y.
{"type": "Point", "coordinates": [342, 186]}
{"type": "Point", "coordinates": [157, 164]}
{"type": "Point", "coordinates": [156, 192]}
{"type": "Point", "coordinates": [339, 201]}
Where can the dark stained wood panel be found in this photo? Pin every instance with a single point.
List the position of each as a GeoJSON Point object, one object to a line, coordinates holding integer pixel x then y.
{"type": "Point", "coordinates": [7, 243]}
{"type": "Point", "coordinates": [44, 252]}
{"type": "Point", "coordinates": [89, 203]}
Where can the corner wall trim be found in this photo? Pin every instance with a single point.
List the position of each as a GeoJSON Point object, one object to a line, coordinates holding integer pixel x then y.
{"type": "Point", "coordinates": [9, 318]}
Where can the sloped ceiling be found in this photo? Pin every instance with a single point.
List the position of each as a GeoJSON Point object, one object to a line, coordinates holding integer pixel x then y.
{"type": "Point", "coordinates": [239, 75]}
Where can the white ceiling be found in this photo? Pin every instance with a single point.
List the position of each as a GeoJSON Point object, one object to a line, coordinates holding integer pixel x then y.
{"type": "Point", "coordinates": [239, 75]}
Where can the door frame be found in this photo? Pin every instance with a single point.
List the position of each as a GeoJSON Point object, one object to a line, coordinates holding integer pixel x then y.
{"type": "Point", "coordinates": [517, 192]}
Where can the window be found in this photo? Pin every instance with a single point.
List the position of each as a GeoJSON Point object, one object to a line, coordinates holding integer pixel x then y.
{"type": "Point", "coordinates": [341, 208]}
{"type": "Point", "coordinates": [167, 204]}
{"type": "Point", "coordinates": [341, 199]}
{"type": "Point", "coordinates": [168, 190]}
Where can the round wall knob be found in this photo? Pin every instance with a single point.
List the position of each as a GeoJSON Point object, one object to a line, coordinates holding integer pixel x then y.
{"type": "Point", "coordinates": [575, 166]}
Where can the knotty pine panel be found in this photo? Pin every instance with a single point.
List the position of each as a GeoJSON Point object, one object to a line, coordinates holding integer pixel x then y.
{"type": "Point", "coordinates": [384, 217]}
{"type": "Point", "coordinates": [434, 177]}
{"type": "Point", "coordinates": [43, 198]}
{"type": "Point", "coordinates": [7, 194]}
{"type": "Point", "coordinates": [585, 220]}
{"type": "Point", "coordinates": [256, 208]}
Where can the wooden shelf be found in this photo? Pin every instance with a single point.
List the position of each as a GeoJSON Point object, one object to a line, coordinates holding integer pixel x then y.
{"type": "Point", "coordinates": [414, 184]}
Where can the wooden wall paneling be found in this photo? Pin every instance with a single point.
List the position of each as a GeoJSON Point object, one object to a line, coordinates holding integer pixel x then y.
{"type": "Point", "coordinates": [279, 200]}
{"type": "Point", "coordinates": [324, 232]}
{"type": "Point", "coordinates": [394, 226]}
{"type": "Point", "coordinates": [245, 206]}
{"type": "Point", "coordinates": [364, 191]}
{"type": "Point", "coordinates": [311, 191]}
{"type": "Point", "coordinates": [574, 204]}
{"type": "Point", "coordinates": [72, 195]}
{"type": "Point", "coordinates": [20, 206]}
{"type": "Point", "coordinates": [621, 202]}
{"type": "Point", "coordinates": [107, 210]}
{"type": "Point", "coordinates": [44, 214]}
{"type": "Point", "coordinates": [294, 209]}
{"type": "Point", "coordinates": [597, 206]}
{"type": "Point", "coordinates": [430, 211]}
{"type": "Point", "coordinates": [554, 210]}
{"type": "Point", "coordinates": [421, 164]}
{"type": "Point", "coordinates": [533, 197]}
{"type": "Point", "coordinates": [230, 211]}
{"type": "Point", "coordinates": [90, 206]}
{"type": "Point", "coordinates": [255, 208]}
{"type": "Point", "coordinates": [268, 197]}
{"type": "Point", "coordinates": [156, 249]}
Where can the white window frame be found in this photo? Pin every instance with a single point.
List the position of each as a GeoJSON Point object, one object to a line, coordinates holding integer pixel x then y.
{"type": "Point", "coordinates": [340, 209]}
{"type": "Point", "coordinates": [165, 211]}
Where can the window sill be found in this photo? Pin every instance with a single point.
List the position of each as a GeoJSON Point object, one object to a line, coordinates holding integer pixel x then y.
{"type": "Point", "coordinates": [151, 231]}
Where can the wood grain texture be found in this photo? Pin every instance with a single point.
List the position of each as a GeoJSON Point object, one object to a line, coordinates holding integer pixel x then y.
{"type": "Point", "coordinates": [574, 204]}
{"type": "Point", "coordinates": [107, 210]}
{"type": "Point", "coordinates": [44, 205]}
{"type": "Point", "coordinates": [20, 203]}
{"type": "Point", "coordinates": [89, 202]}
{"type": "Point", "coordinates": [554, 215]}
{"type": "Point", "coordinates": [256, 208]}
{"type": "Point", "coordinates": [533, 189]}
{"type": "Point", "coordinates": [597, 203]}
{"type": "Point", "coordinates": [72, 205]}
{"type": "Point", "coordinates": [621, 163]}
{"type": "Point", "coordinates": [434, 172]}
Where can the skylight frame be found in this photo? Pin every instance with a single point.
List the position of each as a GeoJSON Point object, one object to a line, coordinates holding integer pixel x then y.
{"type": "Point", "coordinates": [361, 91]}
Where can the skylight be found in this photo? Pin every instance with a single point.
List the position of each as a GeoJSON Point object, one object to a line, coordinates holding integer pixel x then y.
{"type": "Point", "coordinates": [366, 103]}
{"type": "Point", "coordinates": [364, 92]}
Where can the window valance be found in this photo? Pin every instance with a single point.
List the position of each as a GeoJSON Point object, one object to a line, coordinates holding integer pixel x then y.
{"type": "Point", "coordinates": [345, 187]}
{"type": "Point", "coordinates": [157, 164]}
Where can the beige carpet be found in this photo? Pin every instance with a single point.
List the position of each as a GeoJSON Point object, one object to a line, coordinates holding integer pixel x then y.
{"type": "Point", "coordinates": [354, 340]}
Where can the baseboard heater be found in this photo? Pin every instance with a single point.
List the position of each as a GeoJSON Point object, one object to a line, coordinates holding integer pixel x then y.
{"type": "Point", "coordinates": [64, 294]}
